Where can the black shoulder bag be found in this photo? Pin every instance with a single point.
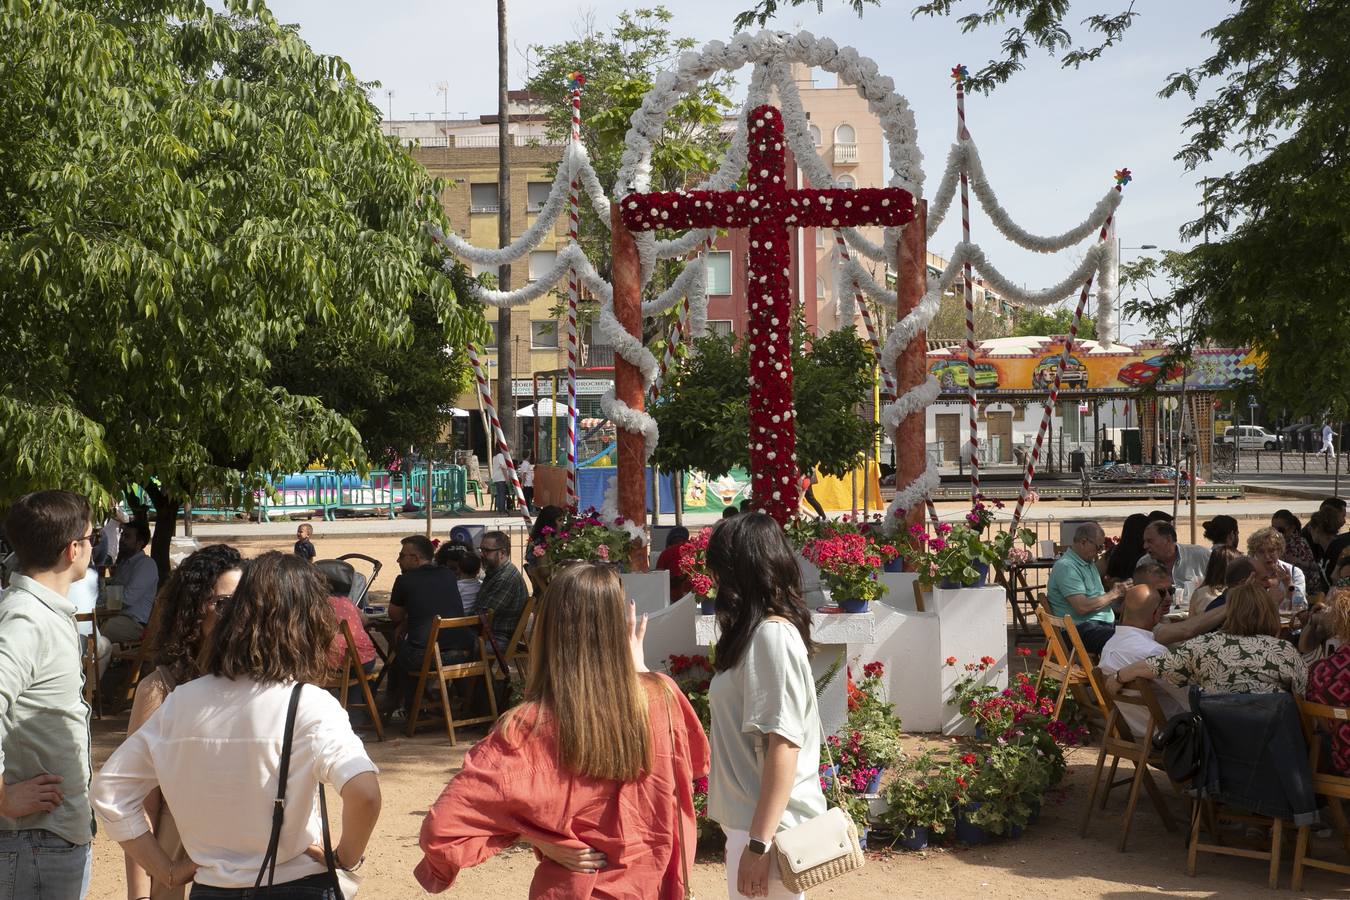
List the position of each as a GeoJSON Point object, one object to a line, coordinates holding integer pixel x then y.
{"type": "Point", "coordinates": [269, 863]}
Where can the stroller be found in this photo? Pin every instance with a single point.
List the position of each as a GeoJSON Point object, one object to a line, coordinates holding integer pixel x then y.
{"type": "Point", "coordinates": [361, 582]}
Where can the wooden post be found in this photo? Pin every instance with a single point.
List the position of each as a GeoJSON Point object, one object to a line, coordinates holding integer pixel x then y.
{"type": "Point", "coordinates": [911, 457]}
{"type": "Point", "coordinates": [626, 272]}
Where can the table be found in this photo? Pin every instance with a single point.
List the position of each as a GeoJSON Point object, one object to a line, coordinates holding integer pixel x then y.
{"type": "Point", "coordinates": [1014, 582]}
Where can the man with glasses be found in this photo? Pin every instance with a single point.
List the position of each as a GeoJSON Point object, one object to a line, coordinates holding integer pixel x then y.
{"type": "Point", "coordinates": [1186, 563]}
{"type": "Point", "coordinates": [45, 818]}
{"type": "Point", "coordinates": [421, 593]}
{"type": "Point", "coordinates": [1156, 577]}
{"type": "Point", "coordinates": [138, 577]}
{"type": "Point", "coordinates": [503, 590]}
{"type": "Point", "coordinates": [1075, 588]}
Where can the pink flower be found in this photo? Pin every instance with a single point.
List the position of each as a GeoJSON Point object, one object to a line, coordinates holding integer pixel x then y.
{"type": "Point", "coordinates": [944, 528]}
{"type": "Point", "coordinates": [938, 544]}
{"type": "Point", "coordinates": [538, 552]}
{"type": "Point", "coordinates": [602, 551]}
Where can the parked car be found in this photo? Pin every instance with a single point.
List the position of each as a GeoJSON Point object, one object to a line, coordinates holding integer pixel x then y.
{"type": "Point", "coordinates": [1250, 437]}
{"type": "Point", "coordinates": [1074, 372]}
{"type": "Point", "coordinates": [1146, 371]}
{"type": "Point", "coordinates": [951, 374]}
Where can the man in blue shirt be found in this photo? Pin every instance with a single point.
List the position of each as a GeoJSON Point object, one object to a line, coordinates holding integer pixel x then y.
{"type": "Point", "coordinates": [1075, 588]}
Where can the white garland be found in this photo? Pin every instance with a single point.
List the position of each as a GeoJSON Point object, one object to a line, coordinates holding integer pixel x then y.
{"type": "Point", "coordinates": [918, 398]}
{"type": "Point", "coordinates": [1107, 285]}
{"type": "Point", "coordinates": [1097, 258]}
{"type": "Point", "coordinates": [689, 283]}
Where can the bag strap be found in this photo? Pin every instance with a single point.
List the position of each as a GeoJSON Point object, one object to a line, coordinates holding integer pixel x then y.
{"type": "Point", "coordinates": [269, 863]}
{"type": "Point", "coordinates": [328, 855]}
{"type": "Point", "coordinates": [679, 826]}
{"type": "Point", "coordinates": [825, 742]}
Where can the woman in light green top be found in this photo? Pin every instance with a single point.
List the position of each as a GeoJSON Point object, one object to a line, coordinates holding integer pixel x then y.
{"type": "Point", "coordinates": [765, 725]}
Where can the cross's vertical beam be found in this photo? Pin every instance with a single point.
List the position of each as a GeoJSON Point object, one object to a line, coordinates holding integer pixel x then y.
{"type": "Point", "coordinates": [626, 272]}
{"type": "Point", "coordinates": [773, 428]}
{"type": "Point", "coordinates": [911, 367]}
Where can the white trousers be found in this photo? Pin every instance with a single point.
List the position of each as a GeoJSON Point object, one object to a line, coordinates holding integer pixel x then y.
{"type": "Point", "coordinates": [736, 843]}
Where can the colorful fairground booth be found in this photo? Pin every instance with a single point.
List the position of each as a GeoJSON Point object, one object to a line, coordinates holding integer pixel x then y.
{"type": "Point", "coordinates": [1123, 404]}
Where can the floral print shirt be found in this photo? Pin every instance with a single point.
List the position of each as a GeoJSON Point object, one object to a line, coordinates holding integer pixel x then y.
{"type": "Point", "coordinates": [1223, 663]}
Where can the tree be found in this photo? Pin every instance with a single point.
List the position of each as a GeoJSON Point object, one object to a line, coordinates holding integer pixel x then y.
{"type": "Point", "coordinates": [703, 415]}
{"type": "Point", "coordinates": [1034, 322]}
{"type": "Point", "coordinates": [949, 323]}
{"type": "Point", "coordinates": [182, 193]}
{"type": "Point", "coordinates": [620, 66]}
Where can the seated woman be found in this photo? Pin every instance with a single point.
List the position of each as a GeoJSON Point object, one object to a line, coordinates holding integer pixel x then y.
{"type": "Point", "coordinates": [339, 576]}
{"type": "Point", "coordinates": [595, 769]}
{"type": "Point", "coordinates": [1215, 582]}
{"type": "Point", "coordinates": [1265, 547]}
{"type": "Point", "coordinates": [1329, 678]}
{"type": "Point", "coordinates": [1297, 552]}
{"type": "Point", "coordinates": [1246, 656]}
{"type": "Point", "coordinates": [1118, 565]}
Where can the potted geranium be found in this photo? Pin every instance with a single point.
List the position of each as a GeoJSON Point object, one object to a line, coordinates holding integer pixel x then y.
{"type": "Point", "coordinates": [957, 556]}
{"type": "Point", "coordinates": [919, 801]}
{"type": "Point", "coordinates": [585, 536]}
{"type": "Point", "coordinates": [871, 715]}
{"type": "Point", "coordinates": [849, 562]}
{"type": "Point", "coordinates": [694, 564]}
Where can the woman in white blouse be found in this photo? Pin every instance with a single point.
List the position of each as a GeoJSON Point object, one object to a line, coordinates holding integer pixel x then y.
{"type": "Point", "coordinates": [214, 751]}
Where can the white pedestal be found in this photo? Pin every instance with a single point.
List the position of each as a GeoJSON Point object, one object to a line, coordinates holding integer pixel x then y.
{"type": "Point", "coordinates": [833, 633]}
{"type": "Point", "coordinates": [649, 590]}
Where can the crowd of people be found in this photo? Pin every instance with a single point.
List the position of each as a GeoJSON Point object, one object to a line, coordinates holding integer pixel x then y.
{"type": "Point", "coordinates": [1275, 618]}
{"type": "Point", "coordinates": [595, 768]}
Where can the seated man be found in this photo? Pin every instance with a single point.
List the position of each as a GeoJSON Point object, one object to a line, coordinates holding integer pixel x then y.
{"type": "Point", "coordinates": [138, 577]}
{"type": "Point", "coordinates": [1133, 641]}
{"type": "Point", "coordinates": [1075, 588]}
{"type": "Point", "coordinates": [503, 591]}
{"type": "Point", "coordinates": [1186, 563]}
{"type": "Point", "coordinates": [422, 593]}
{"type": "Point", "coordinates": [1169, 633]}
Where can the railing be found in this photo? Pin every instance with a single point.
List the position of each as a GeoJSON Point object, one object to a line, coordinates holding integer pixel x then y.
{"type": "Point", "coordinates": [325, 491]}
{"type": "Point", "coordinates": [845, 154]}
{"type": "Point", "coordinates": [466, 141]}
{"type": "Point", "coordinates": [598, 355]}
{"type": "Point", "coordinates": [475, 209]}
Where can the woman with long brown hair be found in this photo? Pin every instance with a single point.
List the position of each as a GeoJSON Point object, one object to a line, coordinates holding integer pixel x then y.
{"type": "Point", "coordinates": [214, 750]}
{"type": "Point", "coordinates": [766, 725]}
{"type": "Point", "coordinates": [595, 768]}
{"type": "Point", "coordinates": [189, 605]}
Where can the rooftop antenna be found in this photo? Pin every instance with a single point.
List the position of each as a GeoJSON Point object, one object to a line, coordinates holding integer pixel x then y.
{"type": "Point", "coordinates": [389, 98]}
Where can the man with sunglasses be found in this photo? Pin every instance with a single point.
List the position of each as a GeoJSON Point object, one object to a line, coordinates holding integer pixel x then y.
{"type": "Point", "coordinates": [1156, 577]}
{"type": "Point", "coordinates": [503, 590]}
{"type": "Point", "coordinates": [45, 817]}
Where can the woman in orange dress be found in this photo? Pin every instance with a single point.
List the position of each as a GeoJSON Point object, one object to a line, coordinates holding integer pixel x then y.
{"type": "Point", "coordinates": [595, 769]}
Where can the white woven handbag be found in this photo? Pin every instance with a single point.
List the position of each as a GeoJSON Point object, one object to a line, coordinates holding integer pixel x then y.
{"type": "Point", "coordinates": [821, 848]}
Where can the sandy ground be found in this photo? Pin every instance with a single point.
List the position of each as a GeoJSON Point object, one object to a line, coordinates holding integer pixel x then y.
{"type": "Point", "coordinates": [1051, 860]}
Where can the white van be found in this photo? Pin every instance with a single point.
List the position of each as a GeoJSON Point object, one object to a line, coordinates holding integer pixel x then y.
{"type": "Point", "coordinates": [1250, 437]}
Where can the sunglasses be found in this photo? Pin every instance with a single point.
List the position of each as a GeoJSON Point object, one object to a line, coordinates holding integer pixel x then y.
{"type": "Point", "coordinates": [88, 537]}
{"type": "Point", "coordinates": [219, 601]}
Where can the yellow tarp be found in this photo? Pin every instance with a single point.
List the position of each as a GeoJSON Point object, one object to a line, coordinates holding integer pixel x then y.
{"type": "Point", "coordinates": [833, 493]}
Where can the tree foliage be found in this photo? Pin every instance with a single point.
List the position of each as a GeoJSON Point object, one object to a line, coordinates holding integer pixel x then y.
{"type": "Point", "coordinates": [184, 194]}
{"type": "Point", "coordinates": [1033, 322]}
{"type": "Point", "coordinates": [949, 323]}
{"type": "Point", "coordinates": [703, 414]}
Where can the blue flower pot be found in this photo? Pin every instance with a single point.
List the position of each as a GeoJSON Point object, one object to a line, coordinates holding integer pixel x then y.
{"type": "Point", "coordinates": [981, 578]}
{"type": "Point", "coordinates": [896, 565]}
{"type": "Point", "coordinates": [853, 606]}
{"type": "Point", "coordinates": [914, 837]}
{"type": "Point", "coordinates": [967, 833]}
{"type": "Point", "coordinates": [875, 784]}
{"type": "Point", "coordinates": [862, 837]}
{"type": "Point", "coordinates": [707, 607]}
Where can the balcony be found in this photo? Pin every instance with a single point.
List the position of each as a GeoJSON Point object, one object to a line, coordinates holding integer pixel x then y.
{"type": "Point", "coordinates": [597, 355]}
{"type": "Point", "coordinates": [846, 154]}
{"type": "Point", "coordinates": [485, 209]}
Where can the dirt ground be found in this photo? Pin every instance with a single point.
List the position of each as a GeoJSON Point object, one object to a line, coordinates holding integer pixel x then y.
{"type": "Point", "coordinates": [1050, 860]}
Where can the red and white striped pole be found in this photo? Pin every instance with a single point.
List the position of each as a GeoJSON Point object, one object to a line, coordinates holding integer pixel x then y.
{"type": "Point", "coordinates": [959, 74]}
{"type": "Point", "coordinates": [887, 381]}
{"type": "Point", "coordinates": [1122, 179]}
{"type": "Point", "coordinates": [576, 80]}
{"type": "Point", "coordinates": [498, 435]}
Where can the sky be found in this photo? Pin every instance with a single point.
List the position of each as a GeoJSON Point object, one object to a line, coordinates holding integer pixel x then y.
{"type": "Point", "coordinates": [1050, 139]}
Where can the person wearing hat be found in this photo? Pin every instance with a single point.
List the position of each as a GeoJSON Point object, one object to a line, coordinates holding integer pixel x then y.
{"type": "Point", "coordinates": [1222, 531]}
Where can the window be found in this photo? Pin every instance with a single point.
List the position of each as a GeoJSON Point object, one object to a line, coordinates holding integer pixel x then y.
{"type": "Point", "coordinates": [719, 273]}
{"type": "Point", "coordinates": [845, 146]}
{"type": "Point", "coordinates": [815, 136]}
{"type": "Point", "coordinates": [536, 195]}
{"type": "Point", "coordinates": [483, 198]}
{"type": "Point", "coordinates": [845, 134]}
{"type": "Point", "coordinates": [492, 341]}
{"type": "Point", "coordinates": [847, 183]}
{"type": "Point", "coordinates": [480, 269]}
{"type": "Point", "coordinates": [540, 262]}
{"type": "Point", "coordinates": [543, 335]}
{"type": "Point", "coordinates": [719, 328]}
{"type": "Point", "coordinates": [820, 287]}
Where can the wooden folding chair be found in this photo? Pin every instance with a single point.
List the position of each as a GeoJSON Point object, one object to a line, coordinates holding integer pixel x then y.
{"type": "Point", "coordinates": [1212, 814]}
{"type": "Point", "coordinates": [89, 659]}
{"type": "Point", "coordinates": [1060, 664]}
{"type": "Point", "coordinates": [1119, 742]}
{"type": "Point", "coordinates": [1095, 701]}
{"type": "Point", "coordinates": [1318, 720]}
{"type": "Point", "coordinates": [434, 667]}
{"type": "Point", "coordinates": [341, 680]}
{"type": "Point", "coordinates": [141, 652]}
{"type": "Point", "coordinates": [517, 651]}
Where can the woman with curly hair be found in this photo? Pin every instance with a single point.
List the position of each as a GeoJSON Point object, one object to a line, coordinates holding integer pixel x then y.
{"type": "Point", "coordinates": [190, 602]}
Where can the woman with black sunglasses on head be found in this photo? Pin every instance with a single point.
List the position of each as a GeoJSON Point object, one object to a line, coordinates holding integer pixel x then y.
{"type": "Point", "coordinates": [189, 605]}
{"type": "Point", "coordinates": [766, 736]}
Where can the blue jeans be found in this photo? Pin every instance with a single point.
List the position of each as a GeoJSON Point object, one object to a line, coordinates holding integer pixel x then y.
{"type": "Point", "coordinates": [315, 887]}
{"type": "Point", "coordinates": [1095, 634]}
{"type": "Point", "coordinates": [500, 489]}
{"type": "Point", "coordinates": [36, 864]}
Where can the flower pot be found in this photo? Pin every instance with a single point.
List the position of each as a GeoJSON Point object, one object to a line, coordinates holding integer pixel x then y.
{"type": "Point", "coordinates": [853, 606]}
{"type": "Point", "coordinates": [875, 784]}
{"type": "Point", "coordinates": [896, 565]}
{"type": "Point", "coordinates": [913, 837]}
{"type": "Point", "coordinates": [981, 578]}
{"type": "Point", "coordinates": [1015, 831]}
{"type": "Point", "coordinates": [707, 607]}
{"type": "Point", "coordinates": [862, 837]}
{"type": "Point", "coordinates": [967, 833]}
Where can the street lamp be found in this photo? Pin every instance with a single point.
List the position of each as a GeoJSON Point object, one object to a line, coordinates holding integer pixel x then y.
{"type": "Point", "coordinates": [1120, 319]}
